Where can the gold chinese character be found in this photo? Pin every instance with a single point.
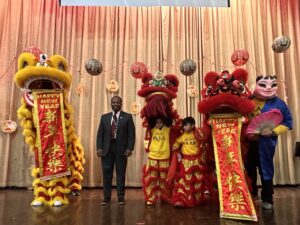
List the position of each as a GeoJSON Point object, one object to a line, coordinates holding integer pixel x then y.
{"type": "Point", "coordinates": [233, 181]}
{"type": "Point", "coordinates": [50, 116]}
{"type": "Point", "coordinates": [237, 201]}
{"type": "Point", "coordinates": [54, 164]}
{"type": "Point", "coordinates": [230, 158]}
{"type": "Point", "coordinates": [227, 141]}
{"type": "Point", "coordinates": [52, 151]}
{"type": "Point", "coordinates": [52, 131]}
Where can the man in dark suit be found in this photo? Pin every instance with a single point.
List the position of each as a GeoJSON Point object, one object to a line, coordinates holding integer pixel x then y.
{"type": "Point", "coordinates": [115, 143]}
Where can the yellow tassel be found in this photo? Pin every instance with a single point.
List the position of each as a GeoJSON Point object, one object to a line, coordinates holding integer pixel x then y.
{"type": "Point", "coordinates": [63, 180]}
{"type": "Point", "coordinates": [75, 186]}
{"type": "Point", "coordinates": [39, 190]}
{"type": "Point", "coordinates": [35, 171]}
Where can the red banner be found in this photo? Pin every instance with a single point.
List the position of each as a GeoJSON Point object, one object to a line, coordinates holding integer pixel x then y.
{"type": "Point", "coordinates": [234, 195]}
{"type": "Point", "coordinates": [51, 138]}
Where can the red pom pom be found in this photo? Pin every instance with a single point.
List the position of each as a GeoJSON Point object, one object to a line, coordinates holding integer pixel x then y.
{"type": "Point", "coordinates": [240, 74]}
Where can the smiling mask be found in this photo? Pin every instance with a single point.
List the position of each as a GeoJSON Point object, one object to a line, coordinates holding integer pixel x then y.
{"type": "Point", "coordinates": [266, 87]}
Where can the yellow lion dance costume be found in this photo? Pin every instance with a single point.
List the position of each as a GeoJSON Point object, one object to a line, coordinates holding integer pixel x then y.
{"type": "Point", "coordinates": [38, 73]}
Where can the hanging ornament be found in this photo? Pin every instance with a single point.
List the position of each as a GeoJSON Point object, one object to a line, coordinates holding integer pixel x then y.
{"type": "Point", "coordinates": [135, 108]}
{"type": "Point", "coordinates": [34, 51]}
{"type": "Point", "coordinates": [239, 57]}
{"type": "Point", "coordinates": [138, 69]}
{"type": "Point", "coordinates": [281, 44]}
{"type": "Point", "coordinates": [112, 86]}
{"type": "Point", "coordinates": [192, 91]}
{"type": "Point", "coordinates": [188, 67]}
{"type": "Point", "coordinates": [8, 126]}
{"type": "Point", "coordinates": [93, 67]}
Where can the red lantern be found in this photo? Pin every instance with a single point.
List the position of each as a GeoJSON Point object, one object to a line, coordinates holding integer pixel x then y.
{"type": "Point", "coordinates": [33, 50]}
{"type": "Point", "coordinates": [240, 57]}
{"type": "Point", "coordinates": [138, 69]}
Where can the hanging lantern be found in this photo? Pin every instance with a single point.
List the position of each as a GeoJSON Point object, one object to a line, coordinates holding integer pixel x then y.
{"type": "Point", "coordinates": [138, 69]}
{"type": "Point", "coordinates": [135, 108]}
{"type": "Point", "coordinates": [112, 86]}
{"type": "Point", "coordinates": [239, 57]}
{"type": "Point", "coordinates": [188, 67]}
{"type": "Point", "coordinates": [33, 50]}
{"type": "Point", "coordinates": [281, 44]}
{"type": "Point", "coordinates": [192, 91]}
{"type": "Point", "coordinates": [93, 67]}
{"type": "Point", "coordinates": [8, 126]}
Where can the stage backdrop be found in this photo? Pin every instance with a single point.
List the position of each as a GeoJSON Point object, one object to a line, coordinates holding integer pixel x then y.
{"type": "Point", "coordinates": [160, 37]}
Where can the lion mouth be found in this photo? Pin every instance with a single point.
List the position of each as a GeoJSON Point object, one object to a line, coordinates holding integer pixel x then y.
{"type": "Point", "coordinates": [43, 82]}
{"type": "Point", "coordinates": [39, 83]}
{"type": "Point", "coordinates": [226, 103]}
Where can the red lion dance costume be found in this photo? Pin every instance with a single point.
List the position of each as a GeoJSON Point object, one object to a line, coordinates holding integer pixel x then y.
{"type": "Point", "coordinates": [189, 186]}
{"type": "Point", "coordinates": [225, 105]}
{"type": "Point", "coordinates": [158, 91]}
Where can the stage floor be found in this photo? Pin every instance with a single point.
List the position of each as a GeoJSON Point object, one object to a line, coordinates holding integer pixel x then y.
{"type": "Point", "coordinates": [86, 209]}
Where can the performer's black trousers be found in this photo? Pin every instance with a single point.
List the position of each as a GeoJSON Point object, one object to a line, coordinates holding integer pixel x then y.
{"type": "Point", "coordinates": [252, 163]}
{"type": "Point", "coordinates": [114, 158]}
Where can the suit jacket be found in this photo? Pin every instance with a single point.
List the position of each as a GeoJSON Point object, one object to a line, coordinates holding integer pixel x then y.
{"type": "Point", "coordinates": [125, 133]}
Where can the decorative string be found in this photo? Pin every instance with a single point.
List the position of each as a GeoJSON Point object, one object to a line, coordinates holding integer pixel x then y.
{"type": "Point", "coordinates": [8, 68]}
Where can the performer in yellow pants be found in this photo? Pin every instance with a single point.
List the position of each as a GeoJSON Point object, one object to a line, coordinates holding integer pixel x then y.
{"type": "Point", "coordinates": [156, 168]}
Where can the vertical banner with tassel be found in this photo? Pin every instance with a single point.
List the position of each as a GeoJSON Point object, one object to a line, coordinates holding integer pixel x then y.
{"type": "Point", "coordinates": [234, 195]}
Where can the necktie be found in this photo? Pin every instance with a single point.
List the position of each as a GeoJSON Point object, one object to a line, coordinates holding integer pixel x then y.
{"type": "Point", "coordinates": [114, 126]}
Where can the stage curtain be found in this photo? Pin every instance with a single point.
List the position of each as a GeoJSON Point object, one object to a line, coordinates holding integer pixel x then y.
{"type": "Point", "coordinates": [161, 37]}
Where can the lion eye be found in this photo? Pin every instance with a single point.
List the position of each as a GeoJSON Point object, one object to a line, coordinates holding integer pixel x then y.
{"type": "Point", "coordinates": [25, 63]}
{"type": "Point", "coordinates": [242, 88]}
{"type": "Point", "coordinates": [209, 90]}
{"type": "Point", "coordinates": [61, 66]}
{"type": "Point", "coordinates": [274, 85]}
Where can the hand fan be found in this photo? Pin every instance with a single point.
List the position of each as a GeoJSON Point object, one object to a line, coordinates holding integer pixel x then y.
{"type": "Point", "coordinates": [269, 119]}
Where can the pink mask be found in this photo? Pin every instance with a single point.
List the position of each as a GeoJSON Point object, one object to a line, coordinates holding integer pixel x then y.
{"type": "Point", "coordinates": [266, 87]}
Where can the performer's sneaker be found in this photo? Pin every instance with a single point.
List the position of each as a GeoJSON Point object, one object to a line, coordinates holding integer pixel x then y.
{"type": "Point", "coordinates": [75, 193]}
{"type": "Point", "coordinates": [105, 201]}
{"type": "Point", "coordinates": [36, 203]}
{"type": "Point", "coordinates": [121, 201]}
{"type": "Point", "coordinates": [149, 204]}
{"type": "Point", "coordinates": [57, 203]}
{"type": "Point", "coordinates": [267, 206]}
{"type": "Point", "coordinates": [179, 204]}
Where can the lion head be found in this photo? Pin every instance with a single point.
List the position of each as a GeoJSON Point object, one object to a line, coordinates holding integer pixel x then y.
{"type": "Point", "coordinates": [36, 72]}
{"type": "Point", "coordinates": [226, 93]}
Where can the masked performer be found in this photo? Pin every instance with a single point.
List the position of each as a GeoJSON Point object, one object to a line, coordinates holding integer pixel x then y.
{"type": "Point", "coordinates": [46, 117]}
{"type": "Point", "coordinates": [262, 150]}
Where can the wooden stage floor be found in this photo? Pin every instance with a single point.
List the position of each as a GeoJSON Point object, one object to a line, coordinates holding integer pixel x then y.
{"type": "Point", "coordinates": [86, 209]}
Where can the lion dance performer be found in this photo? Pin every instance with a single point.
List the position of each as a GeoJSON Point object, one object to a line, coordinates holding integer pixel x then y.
{"type": "Point", "coordinates": [225, 105]}
{"type": "Point", "coordinates": [189, 186]}
{"type": "Point", "coordinates": [46, 117]}
{"type": "Point", "coordinates": [262, 150]}
{"type": "Point", "coordinates": [162, 128]}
